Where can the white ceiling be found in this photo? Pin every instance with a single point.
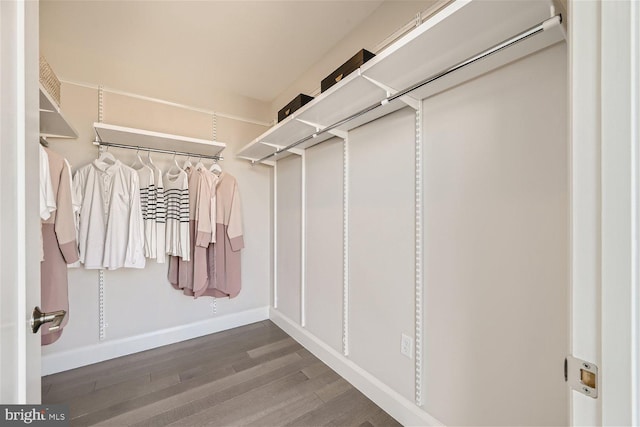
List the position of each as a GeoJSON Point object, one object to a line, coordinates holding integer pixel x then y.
{"type": "Point", "coordinates": [252, 48]}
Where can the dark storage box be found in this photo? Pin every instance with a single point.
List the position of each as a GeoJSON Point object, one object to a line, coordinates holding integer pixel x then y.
{"type": "Point", "coordinates": [345, 69]}
{"type": "Point", "coordinates": [297, 102]}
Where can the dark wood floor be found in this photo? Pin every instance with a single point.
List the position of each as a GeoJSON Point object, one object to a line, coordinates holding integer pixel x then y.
{"type": "Point", "coordinates": [253, 375]}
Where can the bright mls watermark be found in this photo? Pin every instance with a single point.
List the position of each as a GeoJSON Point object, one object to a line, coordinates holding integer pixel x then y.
{"type": "Point", "coordinates": [34, 415]}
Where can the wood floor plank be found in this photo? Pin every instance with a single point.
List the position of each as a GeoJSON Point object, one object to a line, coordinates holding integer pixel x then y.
{"type": "Point", "coordinates": [58, 394]}
{"type": "Point", "coordinates": [339, 407]}
{"type": "Point", "coordinates": [226, 389]}
{"type": "Point", "coordinates": [268, 348]}
{"type": "Point", "coordinates": [360, 408]}
{"type": "Point", "coordinates": [315, 370]}
{"type": "Point", "coordinates": [334, 389]}
{"type": "Point", "coordinates": [251, 362]}
{"type": "Point", "coordinates": [45, 388]}
{"type": "Point", "coordinates": [185, 357]}
{"type": "Point", "coordinates": [381, 419]}
{"type": "Point", "coordinates": [121, 392]}
{"type": "Point", "coordinates": [146, 414]}
{"type": "Point", "coordinates": [253, 375]}
{"type": "Point", "coordinates": [174, 351]}
{"type": "Point", "coordinates": [254, 400]}
{"type": "Point", "coordinates": [284, 413]}
{"type": "Point", "coordinates": [117, 413]}
{"type": "Point", "coordinates": [303, 352]}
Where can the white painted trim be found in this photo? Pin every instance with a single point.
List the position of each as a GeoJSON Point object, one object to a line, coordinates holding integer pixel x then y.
{"type": "Point", "coordinates": [399, 407]}
{"type": "Point", "coordinates": [419, 281]}
{"type": "Point", "coordinates": [585, 193]}
{"type": "Point", "coordinates": [21, 249]}
{"type": "Point", "coordinates": [619, 260]}
{"type": "Point", "coordinates": [275, 235]}
{"type": "Point", "coordinates": [75, 358]}
{"type": "Point", "coordinates": [102, 319]}
{"type": "Point", "coordinates": [345, 247]}
{"type": "Point", "coordinates": [303, 240]}
{"type": "Point", "coordinates": [169, 103]}
{"type": "Point", "coordinates": [635, 136]}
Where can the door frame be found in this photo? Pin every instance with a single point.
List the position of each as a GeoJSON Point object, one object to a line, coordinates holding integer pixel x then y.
{"type": "Point", "coordinates": [19, 221]}
{"type": "Point", "coordinates": [604, 99]}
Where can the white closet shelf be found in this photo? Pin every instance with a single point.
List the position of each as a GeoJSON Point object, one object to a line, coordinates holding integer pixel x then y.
{"type": "Point", "coordinates": [53, 123]}
{"type": "Point", "coordinates": [164, 141]}
{"type": "Point", "coordinates": [456, 33]}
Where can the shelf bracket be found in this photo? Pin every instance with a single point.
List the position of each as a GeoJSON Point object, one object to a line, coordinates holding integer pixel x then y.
{"type": "Point", "coordinates": [296, 151]}
{"type": "Point", "coordinates": [277, 147]}
{"type": "Point", "coordinates": [339, 133]}
{"type": "Point", "coordinates": [335, 132]}
{"type": "Point", "coordinates": [315, 126]}
{"type": "Point", "coordinates": [408, 100]}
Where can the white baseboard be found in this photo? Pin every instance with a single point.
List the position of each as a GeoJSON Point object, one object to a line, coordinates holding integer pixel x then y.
{"type": "Point", "coordinates": [63, 361]}
{"type": "Point", "coordinates": [399, 407]}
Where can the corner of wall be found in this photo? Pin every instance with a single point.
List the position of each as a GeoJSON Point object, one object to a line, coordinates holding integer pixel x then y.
{"type": "Point", "coordinates": [400, 408]}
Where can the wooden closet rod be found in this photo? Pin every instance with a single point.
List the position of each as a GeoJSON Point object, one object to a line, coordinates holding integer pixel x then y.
{"type": "Point", "coordinates": [543, 26]}
{"type": "Point", "coordinates": [158, 150]}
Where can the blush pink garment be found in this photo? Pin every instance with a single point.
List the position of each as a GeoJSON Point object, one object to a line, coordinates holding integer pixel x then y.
{"type": "Point", "coordinates": [60, 247]}
{"type": "Point", "coordinates": [224, 256]}
{"type": "Point", "coordinates": [192, 276]}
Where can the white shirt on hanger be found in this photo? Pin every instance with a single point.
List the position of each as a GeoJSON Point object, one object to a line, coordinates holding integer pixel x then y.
{"type": "Point", "coordinates": [111, 230]}
{"type": "Point", "coordinates": [47, 197]}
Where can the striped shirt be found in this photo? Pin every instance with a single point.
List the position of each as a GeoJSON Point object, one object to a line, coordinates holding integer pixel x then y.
{"type": "Point", "coordinates": [148, 207]}
{"type": "Point", "coordinates": [176, 195]}
{"type": "Point", "coordinates": [161, 216]}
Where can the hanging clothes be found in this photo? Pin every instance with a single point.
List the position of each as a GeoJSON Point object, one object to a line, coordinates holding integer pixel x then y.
{"type": "Point", "coordinates": [224, 269]}
{"type": "Point", "coordinates": [111, 230]}
{"type": "Point", "coordinates": [176, 195]}
{"type": "Point", "coordinates": [161, 215]}
{"type": "Point", "coordinates": [59, 245]}
{"type": "Point", "coordinates": [148, 206]}
{"type": "Point", "coordinates": [47, 195]}
{"type": "Point", "coordinates": [191, 275]}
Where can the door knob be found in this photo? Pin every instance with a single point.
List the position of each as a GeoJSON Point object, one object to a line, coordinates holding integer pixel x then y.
{"type": "Point", "coordinates": [38, 318]}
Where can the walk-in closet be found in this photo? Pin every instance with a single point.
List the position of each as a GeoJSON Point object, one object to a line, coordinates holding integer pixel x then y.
{"type": "Point", "coordinates": [347, 213]}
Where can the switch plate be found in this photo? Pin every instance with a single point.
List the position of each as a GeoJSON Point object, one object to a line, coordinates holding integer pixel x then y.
{"type": "Point", "coordinates": [406, 346]}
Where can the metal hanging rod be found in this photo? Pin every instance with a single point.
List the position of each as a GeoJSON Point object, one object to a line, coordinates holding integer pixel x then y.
{"type": "Point", "coordinates": [539, 28]}
{"type": "Point", "coordinates": [158, 150]}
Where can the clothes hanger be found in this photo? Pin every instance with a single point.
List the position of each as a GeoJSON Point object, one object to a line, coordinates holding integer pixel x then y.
{"type": "Point", "coordinates": [174, 165]}
{"type": "Point", "coordinates": [105, 156]}
{"type": "Point", "coordinates": [44, 142]}
{"type": "Point", "coordinates": [199, 165]}
{"type": "Point", "coordinates": [138, 160]}
{"type": "Point", "coordinates": [187, 164]}
{"type": "Point", "coordinates": [215, 167]}
{"type": "Point", "coordinates": [149, 161]}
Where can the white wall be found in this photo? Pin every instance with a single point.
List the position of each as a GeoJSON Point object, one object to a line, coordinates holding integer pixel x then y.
{"type": "Point", "coordinates": [496, 246]}
{"type": "Point", "coordinates": [381, 247]}
{"type": "Point", "coordinates": [496, 214]}
{"type": "Point", "coordinates": [324, 278]}
{"type": "Point", "coordinates": [289, 243]}
{"type": "Point", "coordinates": [380, 251]}
{"type": "Point", "coordinates": [142, 309]}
